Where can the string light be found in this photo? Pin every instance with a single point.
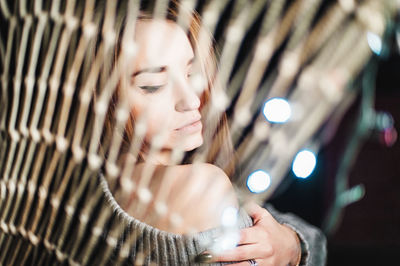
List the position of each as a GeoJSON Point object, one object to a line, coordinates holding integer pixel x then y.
{"type": "Point", "coordinates": [304, 163]}
{"type": "Point", "coordinates": [277, 110]}
{"type": "Point", "coordinates": [258, 181]}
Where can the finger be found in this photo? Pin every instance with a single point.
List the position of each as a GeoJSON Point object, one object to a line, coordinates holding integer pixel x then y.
{"type": "Point", "coordinates": [240, 253]}
{"type": "Point", "coordinates": [252, 235]}
{"type": "Point", "coordinates": [257, 213]}
{"type": "Point", "coordinates": [242, 263]}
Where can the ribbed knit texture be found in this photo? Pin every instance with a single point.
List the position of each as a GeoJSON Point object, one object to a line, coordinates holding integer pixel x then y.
{"type": "Point", "coordinates": [164, 248]}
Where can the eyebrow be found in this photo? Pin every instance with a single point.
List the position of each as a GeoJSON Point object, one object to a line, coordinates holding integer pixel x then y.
{"type": "Point", "coordinates": [151, 70]}
{"type": "Point", "coordinates": [159, 69]}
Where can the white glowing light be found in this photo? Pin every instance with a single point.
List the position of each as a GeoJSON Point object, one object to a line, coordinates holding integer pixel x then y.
{"type": "Point", "coordinates": [304, 163]}
{"type": "Point", "coordinates": [227, 241]}
{"type": "Point", "coordinates": [258, 181]}
{"type": "Point", "coordinates": [277, 110]}
{"type": "Point", "coordinates": [229, 217]}
{"type": "Point", "coordinates": [374, 42]}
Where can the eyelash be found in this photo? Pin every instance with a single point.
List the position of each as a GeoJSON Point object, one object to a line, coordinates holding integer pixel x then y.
{"type": "Point", "coordinates": [150, 89]}
{"type": "Point", "coordinates": [153, 89]}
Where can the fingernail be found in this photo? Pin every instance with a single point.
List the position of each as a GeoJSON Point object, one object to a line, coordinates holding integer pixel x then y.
{"type": "Point", "coordinates": [203, 258]}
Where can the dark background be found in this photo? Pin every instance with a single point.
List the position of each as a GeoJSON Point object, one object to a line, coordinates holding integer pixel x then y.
{"type": "Point", "coordinates": [369, 231]}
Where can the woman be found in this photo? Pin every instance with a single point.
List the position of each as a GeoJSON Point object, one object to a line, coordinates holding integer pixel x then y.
{"type": "Point", "coordinates": [160, 88]}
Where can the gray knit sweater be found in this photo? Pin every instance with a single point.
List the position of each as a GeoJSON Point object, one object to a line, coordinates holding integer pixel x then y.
{"type": "Point", "coordinates": [163, 248]}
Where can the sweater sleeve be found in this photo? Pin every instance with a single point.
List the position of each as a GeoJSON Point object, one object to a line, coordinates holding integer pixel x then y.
{"type": "Point", "coordinates": [165, 248]}
{"type": "Point", "coordinates": [149, 245]}
{"type": "Point", "coordinates": [313, 241]}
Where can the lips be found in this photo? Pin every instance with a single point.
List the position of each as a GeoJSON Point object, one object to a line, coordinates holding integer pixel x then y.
{"type": "Point", "coordinates": [192, 126]}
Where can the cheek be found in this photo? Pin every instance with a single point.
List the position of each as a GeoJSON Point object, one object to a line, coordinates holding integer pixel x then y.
{"type": "Point", "coordinates": [158, 114]}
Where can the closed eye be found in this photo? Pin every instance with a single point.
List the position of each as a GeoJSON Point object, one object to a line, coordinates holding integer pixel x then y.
{"type": "Point", "coordinates": [150, 89]}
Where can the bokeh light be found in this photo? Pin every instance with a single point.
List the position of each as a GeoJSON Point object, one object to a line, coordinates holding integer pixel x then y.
{"type": "Point", "coordinates": [384, 120]}
{"type": "Point", "coordinates": [304, 163]}
{"type": "Point", "coordinates": [374, 42]}
{"type": "Point", "coordinates": [229, 217]}
{"type": "Point", "coordinates": [389, 137]}
{"type": "Point", "coordinates": [258, 181]}
{"type": "Point", "coordinates": [227, 241]}
{"type": "Point", "coordinates": [277, 110]}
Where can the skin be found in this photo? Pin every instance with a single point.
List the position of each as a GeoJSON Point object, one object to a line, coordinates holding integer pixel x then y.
{"type": "Point", "coordinates": [267, 241]}
{"type": "Point", "coordinates": [160, 89]}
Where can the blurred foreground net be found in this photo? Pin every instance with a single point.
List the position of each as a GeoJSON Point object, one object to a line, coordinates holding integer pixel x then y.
{"type": "Point", "coordinates": [62, 63]}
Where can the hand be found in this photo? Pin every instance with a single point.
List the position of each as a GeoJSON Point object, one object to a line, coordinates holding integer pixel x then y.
{"type": "Point", "coordinates": [267, 242]}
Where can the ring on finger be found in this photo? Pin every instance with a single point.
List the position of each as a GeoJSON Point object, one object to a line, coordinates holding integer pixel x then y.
{"type": "Point", "coordinates": [253, 262]}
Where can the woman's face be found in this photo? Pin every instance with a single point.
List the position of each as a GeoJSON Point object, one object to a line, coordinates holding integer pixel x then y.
{"type": "Point", "coordinates": [159, 87]}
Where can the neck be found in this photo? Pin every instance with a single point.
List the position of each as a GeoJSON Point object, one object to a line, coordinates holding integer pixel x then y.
{"type": "Point", "coordinates": [162, 157]}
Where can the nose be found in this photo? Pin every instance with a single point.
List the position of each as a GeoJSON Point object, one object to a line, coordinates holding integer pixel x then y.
{"type": "Point", "coordinates": [186, 97]}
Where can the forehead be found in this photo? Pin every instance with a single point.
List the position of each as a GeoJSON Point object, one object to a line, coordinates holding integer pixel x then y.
{"type": "Point", "coordinates": [161, 42]}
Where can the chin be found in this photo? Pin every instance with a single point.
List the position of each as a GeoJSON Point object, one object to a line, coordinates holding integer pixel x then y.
{"type": "Point", "coordinates": [193, 142]}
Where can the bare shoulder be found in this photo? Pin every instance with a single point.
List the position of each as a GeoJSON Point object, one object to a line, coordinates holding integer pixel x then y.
{"type": "Point", "coordinates": [198, 193]}
{"type": "Point", "coordinates": [207, 191]}
{"type": "Point", "coordinates": [205, 172]}
{"type": "Point", "coordinates": [179, 174]}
